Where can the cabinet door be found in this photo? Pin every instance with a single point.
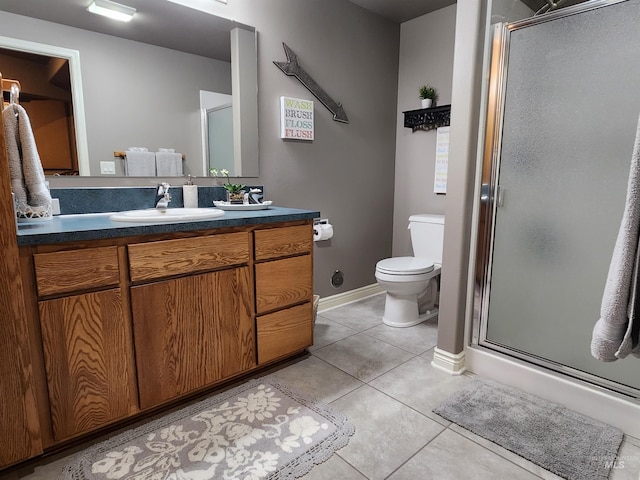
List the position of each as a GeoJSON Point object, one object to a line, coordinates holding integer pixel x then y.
{"type": "Point", "coordinates": [89, 361]}
{"type": "Point", "coordinates": [191, 332]}
{"type": "Point", "coordinates": [285, 332]}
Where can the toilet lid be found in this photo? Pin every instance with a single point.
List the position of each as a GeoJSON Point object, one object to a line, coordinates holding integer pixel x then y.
{"type": "Point", "coordinates": [405, 265]}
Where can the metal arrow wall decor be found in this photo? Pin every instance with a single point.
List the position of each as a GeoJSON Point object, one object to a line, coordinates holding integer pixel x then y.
{"type": "Point", "coordinates": [292, 68]}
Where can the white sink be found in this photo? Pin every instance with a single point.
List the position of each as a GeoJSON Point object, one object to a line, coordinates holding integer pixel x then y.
{"type": "Point", "coordinates": [156, 215]}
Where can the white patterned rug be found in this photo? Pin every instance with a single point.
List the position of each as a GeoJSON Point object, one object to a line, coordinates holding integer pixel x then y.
{"type": "Point", "coordinates": [259, 430]}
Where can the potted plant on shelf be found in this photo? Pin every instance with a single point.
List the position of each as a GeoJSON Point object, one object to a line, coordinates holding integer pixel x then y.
{"type": "Point", "coordinates": [235, 191]}
{"type": "Point", "coordinates": [428, 95]}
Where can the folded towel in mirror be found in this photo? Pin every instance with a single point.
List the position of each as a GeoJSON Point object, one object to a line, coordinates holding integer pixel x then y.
{"type": "Point", "coordinates": [140, 164]}
{"type": "Point", "coordinates": [137, 149]}
{"type": "Point", "coordinates": [168, 164]}
{"type": "Point", "coordinates": [167, 150]}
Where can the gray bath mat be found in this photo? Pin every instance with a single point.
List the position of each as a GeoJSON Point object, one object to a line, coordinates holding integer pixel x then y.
{"type": "Point", "coordinates": [560, 440]}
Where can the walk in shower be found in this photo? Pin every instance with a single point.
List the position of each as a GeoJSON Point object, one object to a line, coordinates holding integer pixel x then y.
{"type": "Point", "coordinates": [563, 107]}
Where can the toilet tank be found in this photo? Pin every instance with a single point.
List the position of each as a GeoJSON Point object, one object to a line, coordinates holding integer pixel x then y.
{"type": "Point", "coordinates": [427, 236]}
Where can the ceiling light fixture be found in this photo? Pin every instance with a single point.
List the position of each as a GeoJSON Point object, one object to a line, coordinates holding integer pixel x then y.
{"type": "Point", "coordinates": [112, 10]}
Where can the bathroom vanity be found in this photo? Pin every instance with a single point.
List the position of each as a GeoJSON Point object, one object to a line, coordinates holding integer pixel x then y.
{"type": "Point", "coordinates": [126, 319]}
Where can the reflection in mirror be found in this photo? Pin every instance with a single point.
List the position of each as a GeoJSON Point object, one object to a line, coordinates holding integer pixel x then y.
{"type": "Point", "coordinates": [220, 129]}
{"type": "Point", "coordinates": [45, 94]}
{"type": "Point", "coordinates": [217, 127]}
{"type": "Point", "coordinates": [144, 95]}
{"type": "Point", "coordinates": [51, 93]}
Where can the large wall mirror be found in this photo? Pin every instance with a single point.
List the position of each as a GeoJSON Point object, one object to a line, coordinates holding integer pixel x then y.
{"type": "Point", "coordinates": [147, 83]}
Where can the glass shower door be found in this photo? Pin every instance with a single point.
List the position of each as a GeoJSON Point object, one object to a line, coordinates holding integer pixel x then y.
{"type": "Point", "coordinates": [570, 110]}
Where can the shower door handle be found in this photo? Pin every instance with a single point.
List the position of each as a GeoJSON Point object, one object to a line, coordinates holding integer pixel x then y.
{"type": "Point", "coordinates": [499, 196]}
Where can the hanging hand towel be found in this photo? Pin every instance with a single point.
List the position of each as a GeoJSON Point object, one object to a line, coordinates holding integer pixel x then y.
{"type": "Point", "coordinates": [27, 176]}
{"type": "Point", "coordinates": [140, 164]}
{"type": "Point", "coordinates": [615, 334]}
{"type": "Point", "coordinates": [169, 164]}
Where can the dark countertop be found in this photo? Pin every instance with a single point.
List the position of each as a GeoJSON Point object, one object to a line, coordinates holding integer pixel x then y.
{"type": "Point", "coordinates": [95, 226]}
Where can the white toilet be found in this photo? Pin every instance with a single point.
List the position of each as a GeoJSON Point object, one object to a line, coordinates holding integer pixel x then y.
{"type": "Point", "coordinates": [411, 282]}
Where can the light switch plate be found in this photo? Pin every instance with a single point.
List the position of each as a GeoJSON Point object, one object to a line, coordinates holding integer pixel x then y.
{"type": "Point", "coordinates": [107, 168]}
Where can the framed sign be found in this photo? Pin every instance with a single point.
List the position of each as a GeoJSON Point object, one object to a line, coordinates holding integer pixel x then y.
{"type": "Point", "coordinates": [296, 119]}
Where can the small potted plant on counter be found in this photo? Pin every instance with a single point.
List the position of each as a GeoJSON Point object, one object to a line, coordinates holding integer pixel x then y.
{"type": "Point", "coordinates": [235, 191]}
{"type": "Point", "coordinates": [428, 95]}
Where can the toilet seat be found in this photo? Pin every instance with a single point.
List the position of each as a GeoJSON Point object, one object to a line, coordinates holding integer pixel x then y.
{"type": "Point", "coordinates": [405, 266]}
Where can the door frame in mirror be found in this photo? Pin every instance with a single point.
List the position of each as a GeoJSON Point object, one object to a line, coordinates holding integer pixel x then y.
{"type": "Point", "coordinates": [73, 57]}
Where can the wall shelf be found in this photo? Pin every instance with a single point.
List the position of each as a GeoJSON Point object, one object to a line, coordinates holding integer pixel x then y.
{"type": "Point", "coordinates": [427, 118]}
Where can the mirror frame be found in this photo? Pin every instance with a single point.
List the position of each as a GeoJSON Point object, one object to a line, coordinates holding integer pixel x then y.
{"type": "Point", "coordinates": [79, 120]}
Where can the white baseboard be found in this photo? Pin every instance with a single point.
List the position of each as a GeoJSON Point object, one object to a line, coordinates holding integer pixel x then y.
{"type": "Point", "coordinates": [340, 299]}
{"type": "Point", "coordinates": [451, 363]}
{"type": "Point", "coordinates": [586, 399]}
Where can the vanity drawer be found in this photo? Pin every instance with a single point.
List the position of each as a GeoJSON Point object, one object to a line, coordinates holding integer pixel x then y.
{"type": "Point", "coordinates": [283, 241]}
{"type": "Point", "coordinates": [76, 270]}
{"type": "Point", "coordinates": [281, 283]}
{"type": "Point", "coordinates": [149, 261]}
{"type": "Point", "coordinates": [284, 332]}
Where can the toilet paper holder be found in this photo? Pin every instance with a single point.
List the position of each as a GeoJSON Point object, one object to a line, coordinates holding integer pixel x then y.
{"type": "Point", "coordinates": [322, 230]}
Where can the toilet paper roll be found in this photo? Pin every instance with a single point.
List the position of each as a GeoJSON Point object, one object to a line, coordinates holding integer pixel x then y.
{"type": "Point", "coordinates": [323, 231]}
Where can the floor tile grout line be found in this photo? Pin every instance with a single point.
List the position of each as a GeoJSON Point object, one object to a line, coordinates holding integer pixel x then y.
{"type": "Point", "coordinates": [382, 373]}
{"type": "Point", "coordinates": [346, 373]}
{"type": "Point", "coordinates": [391, 369]}
{"type": "Point", "coordinates": [416, 452]}
{"type": "Point", "coordinates": [384, 341]}
{"type": "Point", "coordinates": [410, 407]}
{"type": "Point", "coordinates": [332, 343]}
{"type": "Point", "coordinates": [349, 463]}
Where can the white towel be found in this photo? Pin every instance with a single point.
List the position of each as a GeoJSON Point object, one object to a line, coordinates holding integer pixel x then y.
{"type": "Point", "coordinates": [168, 164]}
{"type": "Point", "coordinates": [27, 176]}
{"type": "Point", "coordinates": [614, 334]}
{"type": "Point", "coordinates": [140, 164]}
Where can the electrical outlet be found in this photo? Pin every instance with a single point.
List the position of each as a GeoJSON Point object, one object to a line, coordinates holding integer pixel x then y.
{"type": "Point", "coordinates": [107, 168]}
{"type": "Point", "coordinates": [55, 206]}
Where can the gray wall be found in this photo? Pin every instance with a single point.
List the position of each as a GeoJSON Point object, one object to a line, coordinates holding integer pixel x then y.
{"type": "Point", "coordinates": [426, 56]}
{"type": "Point", "coordinates": [125, 95]}
{"type": "Point", "coordinates": [347, 172]}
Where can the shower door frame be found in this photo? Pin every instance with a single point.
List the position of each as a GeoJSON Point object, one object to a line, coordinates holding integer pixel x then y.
{"type": "Point", "coordinates": [491, 197]}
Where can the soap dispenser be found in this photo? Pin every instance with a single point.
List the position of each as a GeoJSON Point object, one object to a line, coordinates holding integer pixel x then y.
{"type": "Point", "coordinates": [190, 193]}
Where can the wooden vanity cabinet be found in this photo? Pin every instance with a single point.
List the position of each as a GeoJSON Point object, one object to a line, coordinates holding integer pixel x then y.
{"type": "Point", "coordinates": [191, 331]}
{"type": "Point", "coordinates": [86, 339]}
{"type": "Point", "coordinates": [284, 290]}
{"type": "Point", "coordinates": [130, 325]}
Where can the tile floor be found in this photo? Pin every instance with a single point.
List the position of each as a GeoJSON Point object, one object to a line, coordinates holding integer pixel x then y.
{"type": "Point", "coordinates": [382, 379]}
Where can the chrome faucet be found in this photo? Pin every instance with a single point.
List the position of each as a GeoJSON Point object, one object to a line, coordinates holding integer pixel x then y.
{"type": "Point", "coordinates": [163, 197]}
